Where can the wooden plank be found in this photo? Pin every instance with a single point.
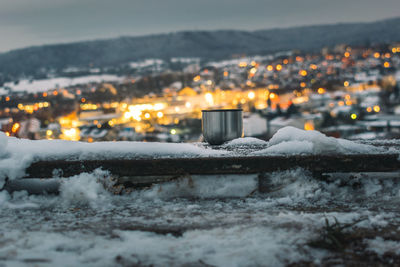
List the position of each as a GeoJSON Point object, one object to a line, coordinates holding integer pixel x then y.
{"type": "Point", "coordinates": [218, 165]}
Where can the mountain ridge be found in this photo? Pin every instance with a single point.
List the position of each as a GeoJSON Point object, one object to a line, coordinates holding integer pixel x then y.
{"type": "Point", "coordinates": [215, 44]}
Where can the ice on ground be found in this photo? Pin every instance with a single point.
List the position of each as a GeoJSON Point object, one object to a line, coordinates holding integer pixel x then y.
{"type": "Point", "coordinates": [291, 140]}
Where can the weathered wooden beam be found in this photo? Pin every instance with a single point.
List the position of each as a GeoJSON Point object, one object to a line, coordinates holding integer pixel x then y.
{"type": "Point", "coordinates": [218, 165]}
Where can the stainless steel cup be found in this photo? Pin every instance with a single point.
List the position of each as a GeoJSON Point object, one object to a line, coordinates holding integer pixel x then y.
{"type": "Point", "coordinates": [221, 125]}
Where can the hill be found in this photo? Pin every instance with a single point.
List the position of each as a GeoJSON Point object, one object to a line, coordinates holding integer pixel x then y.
{"type": "Point", "coordinates": [203, 44]}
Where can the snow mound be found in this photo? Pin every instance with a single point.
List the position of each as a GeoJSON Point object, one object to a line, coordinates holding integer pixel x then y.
{"type": "Point", "coordinates": [84, 189]}
{"type": "Point", "coordinates": [291, 140]}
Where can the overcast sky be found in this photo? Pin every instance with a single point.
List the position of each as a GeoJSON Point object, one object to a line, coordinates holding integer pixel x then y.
{"type": "Point", "coordinates": [33, 22]}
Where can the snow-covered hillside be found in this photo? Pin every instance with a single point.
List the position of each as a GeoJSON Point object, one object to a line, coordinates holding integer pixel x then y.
{"type": "Point", "coordinates": [37, 86]}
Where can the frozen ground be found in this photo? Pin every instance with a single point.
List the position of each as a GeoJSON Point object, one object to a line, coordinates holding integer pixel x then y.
{"type": "Point", "coordinates": [201, 220]}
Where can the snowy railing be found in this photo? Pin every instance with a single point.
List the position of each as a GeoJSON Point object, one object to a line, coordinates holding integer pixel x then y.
{"type": "Point", "coordinates": [138, 169]}
{"type": "Point", "coordinates": [139, 164]}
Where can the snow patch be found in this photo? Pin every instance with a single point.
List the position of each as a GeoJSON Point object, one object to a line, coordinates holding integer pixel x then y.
{"type": "Point", "coordinates": [52, 149]}
{"type": "Point", "coordinates": [18, 154]}
{"type": "Point", "coordinates": [37, 86]}
{"type": "Point", "coordinates": [85, 189]}
{"type": "Point", "coordinates": [381, 246]}
{"type": "Point", "coordinates": [293, 186]}
{"type": "Point", "coordinates": [18, 200]}
{"type": "Point", "coordinates": [291, 140]}
{"type": "Point", "coordinates": [272, 228]}
{"type": "Point", "coordinates": [246, 141]}
{"type": "Point", "coordinates": [210, 186]}
{"type": "Point", "coordinates": [289, 147]}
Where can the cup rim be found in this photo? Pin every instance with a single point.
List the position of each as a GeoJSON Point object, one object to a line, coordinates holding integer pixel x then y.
{"type": "Point", "coordinates": [221, 110]}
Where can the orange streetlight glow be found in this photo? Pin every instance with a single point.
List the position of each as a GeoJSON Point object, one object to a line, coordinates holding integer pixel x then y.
{"type": "Point", "coordinates": [272, 95]}
{"type": "Point", "coordinates": [251, 95]}
{"type": "Point", "coordinates": [303, 73]}
{"type": "Point", "coordinates": [15, 127]}
{"type": "Point", "coordinates": [308, 126]}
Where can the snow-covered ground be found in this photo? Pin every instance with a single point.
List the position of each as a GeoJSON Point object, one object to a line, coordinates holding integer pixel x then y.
{"type": "Point", "coordinates": [146, 63]}
{"type": "Point", "coordinates": [37, 86]}
{"type": "Point", "coordinates": [197, 220]}
{"type": "Point", "coordinates": [210, 224]}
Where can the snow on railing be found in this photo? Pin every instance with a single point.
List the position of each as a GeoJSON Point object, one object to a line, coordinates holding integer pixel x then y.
{"type": "Point", "coordinates": [139, 163]}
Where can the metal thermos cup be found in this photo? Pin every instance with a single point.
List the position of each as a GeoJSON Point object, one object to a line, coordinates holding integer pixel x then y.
{"type": "Point", "coordinates": [221, 125]}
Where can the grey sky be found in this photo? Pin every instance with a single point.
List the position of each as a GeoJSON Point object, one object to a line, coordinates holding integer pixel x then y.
{"type": "Point", "coordinates": [33, 22]}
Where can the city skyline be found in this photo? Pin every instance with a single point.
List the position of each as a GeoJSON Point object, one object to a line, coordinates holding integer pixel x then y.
{"type": "Point", "coordinates": [26, 23]}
